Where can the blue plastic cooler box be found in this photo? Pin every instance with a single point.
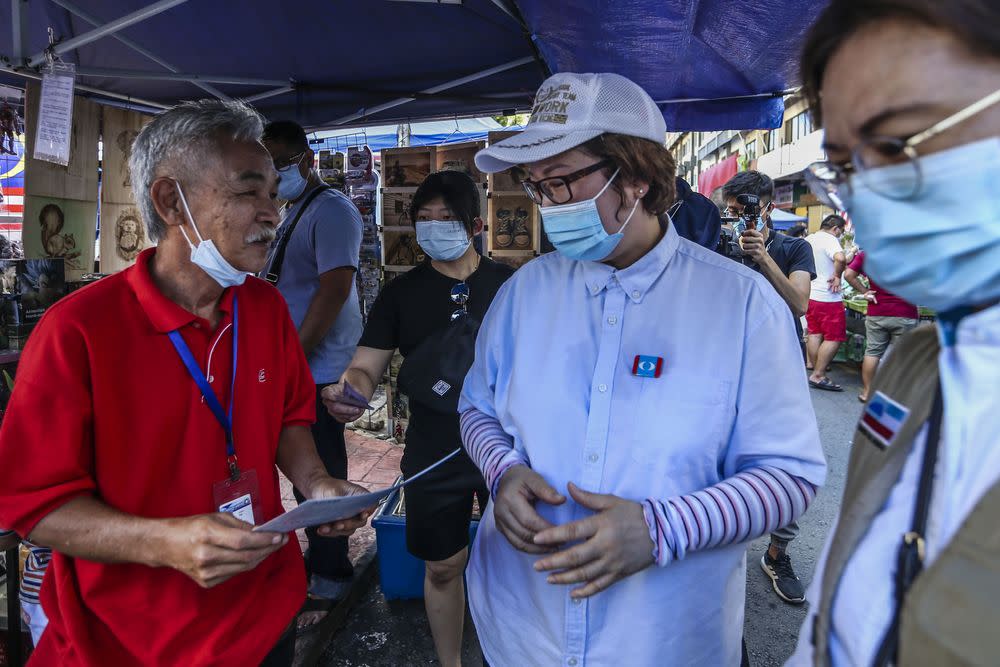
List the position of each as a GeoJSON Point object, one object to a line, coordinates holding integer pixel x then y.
{"type": "Point", "coordinates": [401, 575]}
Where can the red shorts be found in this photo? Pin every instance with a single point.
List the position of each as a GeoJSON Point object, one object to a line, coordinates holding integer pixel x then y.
{"type": "Point", "coordinates": [827, 319]}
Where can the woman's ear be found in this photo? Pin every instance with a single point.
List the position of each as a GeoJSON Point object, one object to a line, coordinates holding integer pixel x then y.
{"type": "Point", "coordinates": [477, 226]}
{"type": "Point", "coordinates": [635, 190]}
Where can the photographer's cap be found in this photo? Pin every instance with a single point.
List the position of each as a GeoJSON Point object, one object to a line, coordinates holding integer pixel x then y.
{"type": "Point", "coordinates": [571, 109]}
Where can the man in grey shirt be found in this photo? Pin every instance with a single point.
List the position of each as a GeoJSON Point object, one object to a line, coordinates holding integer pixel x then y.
{"type": "Point", "coordinates": [317, 279]}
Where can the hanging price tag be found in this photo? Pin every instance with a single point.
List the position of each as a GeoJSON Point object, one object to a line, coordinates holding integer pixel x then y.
{"type": "Point", "coordinates": [55, 113]}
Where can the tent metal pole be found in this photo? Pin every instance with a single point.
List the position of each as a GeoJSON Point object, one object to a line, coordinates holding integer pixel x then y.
{"type": "Point", "coordinates": [76, 11]}
{"type": "Point", "coordinates": [90, 89]}
{"type": "Point", "coordinates": [733, 98]}
{"type": "Point", "coordinates": [434, 89]}
{"type": "Point", "coordinates": [268, 93]}
{"type": "Point", "coordinates": [107, 29]}
{"type": "Point", "coordinates": [503, 8]}
{"type": "Point", "coordinates": [19, 28]}
{"type": "Point", "coordinates": [110, 73]}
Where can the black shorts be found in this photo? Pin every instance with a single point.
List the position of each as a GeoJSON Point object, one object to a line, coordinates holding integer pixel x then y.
{"type": "Point", "coordinates": [439, 508]}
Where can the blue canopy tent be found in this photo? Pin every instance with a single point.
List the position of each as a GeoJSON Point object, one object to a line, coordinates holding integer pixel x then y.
{"type": "Point", "coordinates": [713, 64]}
{"type": "Point", "coordinates": [433, 133]}
{"type": "Point", "coordinates": [782, 220]}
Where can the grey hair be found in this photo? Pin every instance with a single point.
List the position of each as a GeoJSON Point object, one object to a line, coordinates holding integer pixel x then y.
{"type": "Point", "coordinates": [187, 136]}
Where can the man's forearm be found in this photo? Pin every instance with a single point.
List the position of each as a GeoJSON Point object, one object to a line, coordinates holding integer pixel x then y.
{"type": "Point", "coordinates": [839, 266]}
{"type": "Point", "coordinates": [323, 311]}
{"type": "Point", "coordinates": [853, 280]}
{"type": "Point", "coordinates": [89, 529]}
{"type": "Point", "coordinates": [298, 459]}
{"type": "Point", "coordinates": [798, 302]}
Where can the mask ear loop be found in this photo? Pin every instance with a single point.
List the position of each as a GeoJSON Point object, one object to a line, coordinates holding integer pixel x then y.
{"type": "Point", "coordinates": [180, 193]}
{"type": "Point", "coordinates": [629, 218]}
{"type": "Point", "coordinates": [608, 185]}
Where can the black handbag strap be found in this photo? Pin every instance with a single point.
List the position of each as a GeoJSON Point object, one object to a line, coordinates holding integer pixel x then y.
{"type": "Point", "coordinates": [910, 559]}
{"type": "Point", "coordinates": [274, 269]}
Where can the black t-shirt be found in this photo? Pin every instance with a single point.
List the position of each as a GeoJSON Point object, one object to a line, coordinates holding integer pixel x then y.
{"type": "Point", "coordinates": [410, 309]}
{"type": "Point", "coordinates": [791, 254]}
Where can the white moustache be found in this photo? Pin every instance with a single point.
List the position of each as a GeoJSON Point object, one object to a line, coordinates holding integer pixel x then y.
{"type": "Point", "coordinates": [264, 234]}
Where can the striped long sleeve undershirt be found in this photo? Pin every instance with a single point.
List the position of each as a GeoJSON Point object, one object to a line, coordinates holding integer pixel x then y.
{"type": "Point", "coordinates": [751, 503]}
{"type": "Point", "coordinates": [35, 566]}
{"type": "Point", "coordinates": [489, 447]}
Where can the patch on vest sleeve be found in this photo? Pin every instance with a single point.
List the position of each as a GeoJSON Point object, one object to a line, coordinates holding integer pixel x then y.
{"type": "Point", "coordinates": [882, 419]}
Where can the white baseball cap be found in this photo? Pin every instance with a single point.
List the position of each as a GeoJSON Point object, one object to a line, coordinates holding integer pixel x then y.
{"type": "Point", "coordinates": [571, 109]}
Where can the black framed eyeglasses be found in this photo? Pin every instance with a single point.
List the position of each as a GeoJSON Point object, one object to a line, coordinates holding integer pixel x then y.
{"type": "Point", "coordinates": [284, 164]}
{"type": "Point", "coordinates": [460, 297]}
{"type": "Point", "coordinates": [556, 188]}
{"type": "Point", "coordinates": [832, 182]}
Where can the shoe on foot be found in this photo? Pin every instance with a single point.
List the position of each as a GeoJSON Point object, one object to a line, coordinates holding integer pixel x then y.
{"type": "Point", "coordinates": [783, 579]}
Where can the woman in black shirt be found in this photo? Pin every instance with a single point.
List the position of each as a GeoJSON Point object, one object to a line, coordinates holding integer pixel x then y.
{"type": "Point", "coordinates": [412, 308]}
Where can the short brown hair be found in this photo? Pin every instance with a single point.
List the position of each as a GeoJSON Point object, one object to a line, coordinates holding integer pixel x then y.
{"type": "Point", "coordinates": [973, 22]}
{"type": "Point", "coordinates": [638, 160]}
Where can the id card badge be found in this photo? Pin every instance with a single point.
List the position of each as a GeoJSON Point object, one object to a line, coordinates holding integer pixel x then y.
{"type": "Point", "coordinates": [241, 497]}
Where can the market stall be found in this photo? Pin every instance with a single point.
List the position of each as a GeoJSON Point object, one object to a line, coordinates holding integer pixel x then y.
{"type": "Point", "coordinates": [709, 65]}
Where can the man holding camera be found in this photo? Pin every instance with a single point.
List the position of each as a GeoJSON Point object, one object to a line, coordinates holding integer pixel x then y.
{"type": "Point", "coordinates": [788, 265]}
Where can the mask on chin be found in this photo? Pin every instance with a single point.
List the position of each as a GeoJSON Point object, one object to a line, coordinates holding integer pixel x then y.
{"type": "Point", "coordinates": [207, 257]}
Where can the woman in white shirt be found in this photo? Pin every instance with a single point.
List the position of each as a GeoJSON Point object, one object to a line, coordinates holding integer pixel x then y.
{"type": "Point", "coordinates": [617, 412]}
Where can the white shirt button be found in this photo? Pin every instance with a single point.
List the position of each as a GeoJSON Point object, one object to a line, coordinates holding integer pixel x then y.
{"type": "Point", "coordinates": [593, 458]}
{"type": "Point", "coordinates": [577, 601]}
{"type": "Point", "coordinates": [602, 388]}
{"type": "Point", "coordinates": [571, 662]}
{"type": "Point", "coordinates": [636, 294]}
{"type": "Point", "coordinates": [612, 320]}
{"type": "Point", "coordinates": [211, 378]}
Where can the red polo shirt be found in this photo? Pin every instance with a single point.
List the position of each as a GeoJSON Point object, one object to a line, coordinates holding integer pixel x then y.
{"type": "Point", "coordinates": [104, 406]}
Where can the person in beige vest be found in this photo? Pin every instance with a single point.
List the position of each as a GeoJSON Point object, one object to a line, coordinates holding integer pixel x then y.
{"type": "Point", "coordinates": [908, 92]}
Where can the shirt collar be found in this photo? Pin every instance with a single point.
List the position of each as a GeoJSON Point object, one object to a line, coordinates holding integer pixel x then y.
{"type": "Point", "coordinates": [164, 314]}
{"type": "Point", "coordinates": [969, 327]}
{"type": "Point", "coordinates": [637, 279]}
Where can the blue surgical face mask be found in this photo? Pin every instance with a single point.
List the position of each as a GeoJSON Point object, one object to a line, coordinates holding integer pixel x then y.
{"type": "Point", "coordinates": [576, 229]}
{"type": "Point", "coordinates": [940, 249]}
{"type": "Point", "coordinates": [292, 184]}
{"type": "Point", "coordinates": [206, 256]}
{"type": "Point", "coordinates": [443, 240]}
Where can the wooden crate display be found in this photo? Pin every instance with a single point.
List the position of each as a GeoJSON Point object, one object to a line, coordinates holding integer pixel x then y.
{"type": "Point", "coordinates": [406, 167]}
{"type": "Point", "coordinates": [400, 249]}
{"type": "Point", "coordinates": [503, 181]}
{"type": "Point", "coordinates": [460, 157]}
{"type": "Point", "coordinates": [513, 224]}
{"type": "Point", "coordinates": [396, 207]}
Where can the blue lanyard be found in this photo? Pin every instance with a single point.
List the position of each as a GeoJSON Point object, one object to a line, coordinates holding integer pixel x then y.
{"type": "Point", "coordinates": [225, 419]}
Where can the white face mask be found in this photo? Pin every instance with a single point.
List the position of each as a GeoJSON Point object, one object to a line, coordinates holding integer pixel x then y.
{"type": "Point", "coordinates": [207, 257]}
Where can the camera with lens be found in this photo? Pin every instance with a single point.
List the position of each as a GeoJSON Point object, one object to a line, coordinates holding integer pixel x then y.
{"type": "Point", "coordinates": [749, 218]}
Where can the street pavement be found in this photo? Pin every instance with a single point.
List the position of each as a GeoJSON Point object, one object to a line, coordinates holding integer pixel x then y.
{"type": "Point", "coordinates": [396, 634]}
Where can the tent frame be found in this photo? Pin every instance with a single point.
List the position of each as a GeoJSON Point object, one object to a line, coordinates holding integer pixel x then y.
{"type": "Point", "coordinates": [432, 90]}
{"type": "Point", "coordinates": [102, 31]}
{"type": "Point", "coordinates": [83, 15]}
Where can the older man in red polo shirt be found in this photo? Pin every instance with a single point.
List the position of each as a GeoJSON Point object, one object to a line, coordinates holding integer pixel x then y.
{"type": "Point", "coordinates": [150, 413]}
